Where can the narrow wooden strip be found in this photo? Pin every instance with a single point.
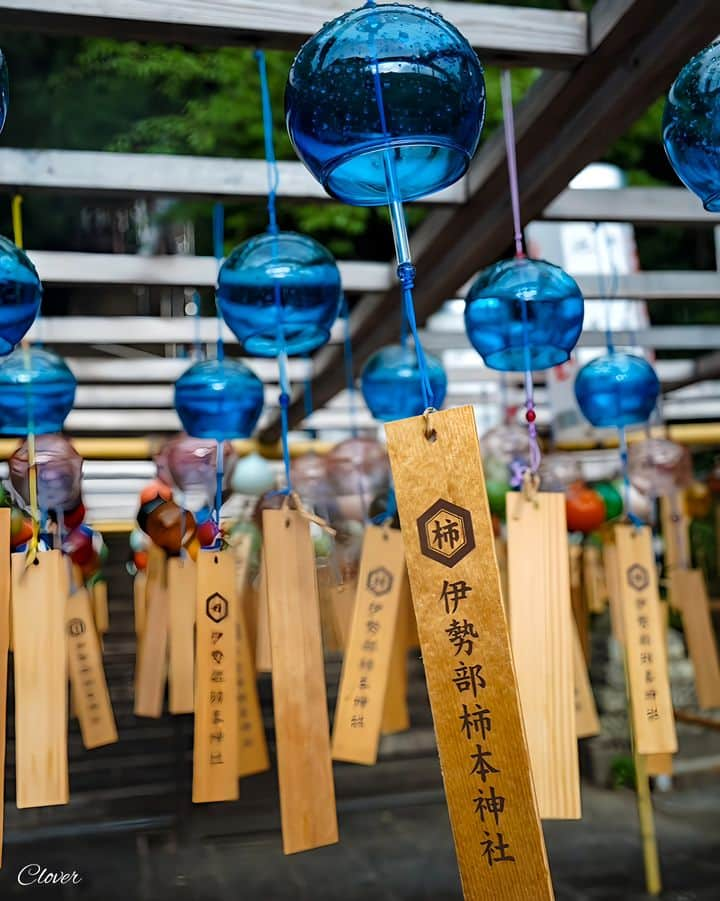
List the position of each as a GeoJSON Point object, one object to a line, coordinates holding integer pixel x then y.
{"type": "Point", "coordinates": [396, 715]}
{"type": "Point", "coordinates": [263, 647]}
{"type": "Point", "coordinates": [215, 750]}
{"type": "Point", "coordinates": [659, 764]}
{"type": "Point", "coordinates": [675, 526]}
{"type": "Point", "coordinates": [587, 722]}
{"type": "Point", "coordinates": [612, 575]}
{"type": "Point", "coordinates": [449, 547]}
{"type": "Point", "coordinates": [181, 583]}
{"type": "Point", "coordinates": [4, 647]}
{"type": "Point", "coordinates": [332, 641]}
{"type": "Point", "coordinates": [363, 681]}
{"type": "Point", "coordinates": [342, 599]}
{"type": "Point", "coordinates": [40, 664]}
{"type": "Point", "coordinates": [540, 628]}
{"type": "Point", "coordinates": [577, 598]}
{"type": "Point", "coordinates": [645, 652]}
{"type": "Point", "coordinates": [689, 595]}
{"type": "Point", "coordinates": [101, 611]}
{"type": "Point", "coordinates": [87, 675]}
{"type": "Point", "coordinates": [307, 791]}
{"type": "Point", "coordinates": [594, 580]}
{"type": "Point", "coordinates": [151, 663]}
{"type": "Point", "coordinates": [139, 598]}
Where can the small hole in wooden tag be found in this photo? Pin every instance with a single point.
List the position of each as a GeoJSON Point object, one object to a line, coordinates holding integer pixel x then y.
{"type": "Point", "coordinates": [36, 562]}
{"type": "Point", "coordinates": [215, 558]}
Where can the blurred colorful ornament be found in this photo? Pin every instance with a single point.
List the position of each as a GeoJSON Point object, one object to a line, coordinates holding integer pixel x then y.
{"type": "Point", "coordinates": [392, 82]}
{"type": "Point", "coordinates": [507, 443]}
{"type": "Point", "coordinates": [79, 545]}
{"type": "Point", "coordinates": [659, 468]}
{"type": "Point", "coordinates": [140, 559]}
{"type": "Point", "coordinates": [383, 507]}
{"type": "Point", "coordinates": [280, 292]}
{"type": "Point", "coordinates": [253, 475]}
{"type": "Point", "coordinates": [691, 126]}
{"type": "Point", "coordinates": [585, 508]}
{"type": "Point", "coordinates": [497, 493]}
{"type": "Point", "coordinates": [138, 540]}
{"type": "Point", "coordinates": [392, 387]}
{"type": "Point", "coordinates": [73, 518]}
{"type": "Point", "coordinates": [611, 498]}
{"type": "Point", "coordinates": [617, 389]}
{"type": "Point", "coordinates": [638, 504]}
{"type": "Point", "coordinates": [207, 532]}
{"type": "Point", "coordinates": [559, 471]}
{"type": "Point", "coordinates": [155, 489]}
{"type": "Point", "coordinates": [220, 399]}
{"type": "Point", "coordinates": [698, 501]}
{"type": "Point", "coordinates": [37, 391]}
{"type": "Point", "coordinates": [20, 528]}
{"type": "Point", "coordinates": [59, 472]}
{"type": "Point", "coordinates": [20, 293]}
{"type": "Point", "coordinates": [168, 525]}
{"type": "Point", "coordinates": [358, 466]}
{"type": "Point", "coordinates": [192, 466]}
{"type": "Point", "coordinates": [524, 314]}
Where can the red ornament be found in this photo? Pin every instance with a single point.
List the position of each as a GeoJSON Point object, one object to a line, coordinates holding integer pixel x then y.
{"type": "Point", "coordinates": [531, 416]}
{"type": "Point", "coordinates": [74, 517]}
{"type": "Point", "coordinates": [585, 508]}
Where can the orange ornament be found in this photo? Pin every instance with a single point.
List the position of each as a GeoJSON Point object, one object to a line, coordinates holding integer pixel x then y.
{"type": "Point", "coordinates": [154, 489]}
{"type": "Point", "coordinates": [585, 508]}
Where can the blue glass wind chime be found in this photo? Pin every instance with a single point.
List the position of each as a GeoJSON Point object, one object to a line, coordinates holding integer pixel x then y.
{"type": "Point", "coordinates": [386, 104]}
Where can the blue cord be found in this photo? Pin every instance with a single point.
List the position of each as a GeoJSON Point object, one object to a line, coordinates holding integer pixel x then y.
{"type": "Point", "coordinates": [635, 520]}
{"type": "Point", "coordinates": [219, 252]}
{"type": "Point", "coordinates": [406, 274]}
{"type": "Point", "coordinates": [273, 174]}
{"type": "Point", "coordinates": [349, 368]}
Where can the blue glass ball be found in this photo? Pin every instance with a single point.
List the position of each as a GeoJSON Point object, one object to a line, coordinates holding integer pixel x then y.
{"type": "Point", "coordinates": [433, 98]}
{"type": "Point", "coordinates": [391, 383]}
{"type": "Point", "coordinates": [691, 126]}
{"type": "Point", "coordinates": [220, 399]}
{"type": "Point", "coordinates": [308, 280]}
{"type": "Point", "coordinates": [4, 90]}
{"type": "Point", "coordinates": [37, 391]}
{"type": "Point", "coordinates": [617, 390]}
{"type": "Point", "coordinates": [20, 295]}
{"type": "Point", "coordinates": [524, 314]}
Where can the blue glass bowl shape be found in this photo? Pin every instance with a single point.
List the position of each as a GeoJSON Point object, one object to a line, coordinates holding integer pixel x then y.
{"type": "Point", "coordinates": [20, 295]}
{"type": "Point", "coordinates": [220, 399]}
{"type": "Point", "coordinates": [37, 391]}
{"type": "Point", "coordinates": [391, 383]}
{"type": "Point", "coordinates": [524, 314]}
{"type": "Point", "coordinates": [691, 126]}
{"type": "Point", "coordinates": [433, 99]}
{"type": "Point", "coordinates": [617, 389]}
{"type": "Point", "coordinates": [308, 281]}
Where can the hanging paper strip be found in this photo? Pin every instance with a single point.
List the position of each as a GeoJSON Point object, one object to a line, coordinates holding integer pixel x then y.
{"type": "Point", "coordinates": [181, 580]}
{"type": "Point", "coordinates": [541, 631]}
{"type": "Point", "coordinates": [688, 594]}
{"type": "Point", "coordinates": [252, 744]}
{"type": "Point", "coordinates": [87, 675]}
{"type": "Point", "coordinates": [366, 666]}
{"type": "Point", "coordinates": [151, 665]}
{"type": "Point", "coordinates": [40, 668]}
{"type": "Point", "coordinates": [645, 652]}
{"type": "Point", "coordinates": [215, 749]}
{"type": "Point", "coordinates": [396, 716]}
{"type": "Point", "coordinates": [307, 791]}
{"type": "Point", "coordinates": [4, 648]}
{"type": "Point", "coordinates": [455, 584]}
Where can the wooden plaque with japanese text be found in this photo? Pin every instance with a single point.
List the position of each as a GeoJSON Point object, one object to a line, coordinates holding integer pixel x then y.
{"type": "Point", "coordinates": [541, 624]}
{"type": "Point", "coordinates": [40, 668]}
{"type": "Point", "coordinates": [181, 578]}
{"type": "Point", "coordinates": [215, 752]}
{"type": "Point", "coordinates": [366, 664]}
{"type": "Point", "coordinates": [302, 731]}
{"type": "Point", "coordinates": [449, 548]}
{"type": "Point", "coordinates": [645, 651]}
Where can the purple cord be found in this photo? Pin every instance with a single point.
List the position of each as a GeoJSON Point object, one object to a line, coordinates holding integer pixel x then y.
{"type": "Point", "coordinates": [509, 123]}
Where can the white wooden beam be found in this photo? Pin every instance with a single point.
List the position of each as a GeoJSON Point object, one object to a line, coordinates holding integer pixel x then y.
{"type": "Point", "coordinates": [641, 206]}
{"type": "Point", "coordinates": [523, 35]}
{"type": "Point", "coordinates": [156, 174]}
{"type": "Point", "coordinates": [181, 271]}
{"type": "Point", "coordinates": [160, 370]}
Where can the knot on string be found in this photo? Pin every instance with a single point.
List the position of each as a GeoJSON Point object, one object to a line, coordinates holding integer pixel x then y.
{"type": "Point", "coordinates": [299, 507]}
{"type": "Point", "coordinates": [406, 275]}
{"type": "Point", "coordinates": [284, 400]}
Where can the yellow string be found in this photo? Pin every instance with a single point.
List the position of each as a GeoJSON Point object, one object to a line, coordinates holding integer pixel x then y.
{"type": "Point", "coordinates": [17, 224]}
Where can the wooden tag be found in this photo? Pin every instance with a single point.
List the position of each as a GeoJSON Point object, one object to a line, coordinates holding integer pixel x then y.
{"type": "Point", "coordinates": [40, 661]}
{"type": "Point", "coordinates": [501, 552]}
{"type": "Point", "coordinates": [413, 639]}
{"type": "Point", "coordinates": [612, 576]}
{"type": "Point", "coordinates": [577, 599]}
{"type": "Point", "coordinates": [541, 633]}
{"type": "Point", "coordinates": [364, 677]}
{"type": "Point", "coordinates": [332, 641]}
{"type": "Point", "coordinates": [101, 611]}
{"type": "Point", "coordinates": [594, 580]}
{"type": "Point", "coordinates": [252, 744]}
{"type": "Point", "coordinates": [342, 602]}
{"type": "Point", "coordinates": [307, 791]}
{"type": "Point", "coordinates": [450, 553]}
{"type": "Point", "coordinates": [263, 648]}
{"type": "Point", "coordinates": [181, 579]}
{"type": "Point", "coordinates": [587, 722]}
{"type": "Point", "coordinates": [4, 647]}
{"type": "Point", "coordinates": [87, 675]}
{"type": "Point", "coordinates": [659, 764]}
{"type": "Point", "coordinates": [151, 663]}
{"type": "Point", "coordinates": [675, 526]}
{"type": "Point", "coordinates": [215, 750]}
{"type": "Point", "coordinates": [645, 652]}
{"type": "Point", "coordinates": [689, 595]}
{"type": "Point", "coordinates": [139, 598]}
{"type": "Point", "coordinates": [396, 716]}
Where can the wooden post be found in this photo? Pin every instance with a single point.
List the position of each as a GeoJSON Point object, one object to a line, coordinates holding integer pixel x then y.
{"type": "Point", "coordinates": [450, 552]}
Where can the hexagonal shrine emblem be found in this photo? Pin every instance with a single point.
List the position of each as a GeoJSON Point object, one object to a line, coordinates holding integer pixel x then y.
{"type": "Point", "coordinates": [216, 607]}
{"type": "Point", "coordinates": [446, 533]}
{"type": "Point", "coordinates": [379, 581]}
{"type": "Point", "coordinates": [638, 577]}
